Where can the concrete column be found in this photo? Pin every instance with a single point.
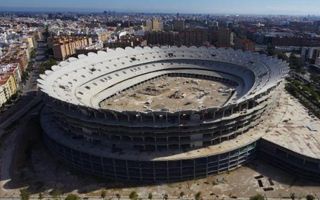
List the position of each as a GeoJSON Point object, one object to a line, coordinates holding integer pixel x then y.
{"type": "Point", "coordinates": [127, 169]}
{"type": "Point", "coordinates": [115, 115]}
{"type": "Point", "coordinates": [114, 170]}
{"type": "Point", "coordinates": [154, 118]}
{"type": "Point", "coordinates": [166, 117]}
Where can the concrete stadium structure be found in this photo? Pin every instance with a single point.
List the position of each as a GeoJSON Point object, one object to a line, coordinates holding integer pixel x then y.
{"type": "Point", "coordinates": [156, 145]}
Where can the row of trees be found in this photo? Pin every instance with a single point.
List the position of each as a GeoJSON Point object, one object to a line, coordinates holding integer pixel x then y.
{"type": "Point", "coordinates": [47, 65]}
{"type": "Point", "coordinates": [295, 63]}
{"type": "Point", "coordinates": [25, 195]}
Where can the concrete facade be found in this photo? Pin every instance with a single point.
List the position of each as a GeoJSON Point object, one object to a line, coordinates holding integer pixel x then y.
{"type": "Point", "coordinates": [155, 146]}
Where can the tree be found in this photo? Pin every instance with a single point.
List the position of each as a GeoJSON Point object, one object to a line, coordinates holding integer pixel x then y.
{"type": "Point", "coordinates": [40, 196]}
{"type": "Point", "coordinates": [103, 194]}
{"type": "Point", "coordinates": [24, 194]}
{"type": "Point", "coordinates": [257, 197]}
{"type": "Point", "coordinates": [181, 194]}
{"type": "Point", "coordinates": [72, 197]}
{"type": "Point", "coordinates": [33, 53]}
{"type": "Point", "coordinates": [150, 195]}
{"type": "Point", "coordinates": [118, 196]}
{"type": "Point", "coordinates": [133, 195]}
{"type": "Point", "coordinates": [271, 49]}
{"type": "Point", "coordinates": [293, 196]}
{"type": "Point", "coordinates": [310, 197]}
{"type": "Point", "coordinates": [282, 56]}
{"type": "Point", "coordinates": [165, 196]}
{"type": "Point", "coordinates": [296, 64]}
{"type": "Point", "coordinates": [55, 193]}
{"type": "Point", "coordinates": [47, 65]}
{"type": "Point", "coordinates": [197, 196]}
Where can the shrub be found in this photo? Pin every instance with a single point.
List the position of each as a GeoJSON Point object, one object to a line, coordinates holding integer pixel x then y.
{"type": "Point", "coordinates": [24, 194]}
{"type": "Point", "coordinates": [310, 197]}
{"type": "Point", "coordinates": [133, 195]}
{"type": "Point", "coordinates": [181, 194]}
{"type": "Point", "coordinates": [197, 196]}
{"type": "Point", "coordinates": [257, 197]}
{"type": "Point", "coordinates": [72, 197]}
{"type": "Point", "coordinates": [103, 194]}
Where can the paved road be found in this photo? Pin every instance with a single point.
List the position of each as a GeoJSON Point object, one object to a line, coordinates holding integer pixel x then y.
{"type": "Point", "coordinates": [9, 146]}
{"type": "Point", "coordinates": [17, 116]}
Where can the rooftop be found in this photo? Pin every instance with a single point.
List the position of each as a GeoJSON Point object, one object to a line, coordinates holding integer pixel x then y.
{"type": "Point", "coordinates": [298, 130]}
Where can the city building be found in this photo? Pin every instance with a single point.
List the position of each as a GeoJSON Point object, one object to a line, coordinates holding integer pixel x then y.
{"type": "Point", "coordinates": [224, 37]}
{"type": "Point", "coordinates": [179, 25]}
{"type": "Point", "coordinates": [8, 87]}
{"type": "Point", "coordinates": [16, 54]}
{"type": "Point", "coordinates": [192, 37]}
{"type": "Point", "coordinates": [12, 69]}
{"type": "Point", "coordinates": [310, 54]}
{"type": "Point", "coordinates": [154, 25]}
{"type": "Point", "coordinates": [126, 40]}
{"type": "Point", "coordinates": [244, 44]}
{"type": "Point", "coordinates": [64, 47]}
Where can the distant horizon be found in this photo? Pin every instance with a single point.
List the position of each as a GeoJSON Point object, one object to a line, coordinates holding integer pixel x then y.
{"type": "Point", "coordinates": [82, 10]}
{"type": "Point", "coordinates": [232, 7]}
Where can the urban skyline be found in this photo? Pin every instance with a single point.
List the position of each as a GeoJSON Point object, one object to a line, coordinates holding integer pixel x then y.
{"type": "Point", "coordinates": [273, 7]}
{"type": "Point", "coordinates": [159, 99]}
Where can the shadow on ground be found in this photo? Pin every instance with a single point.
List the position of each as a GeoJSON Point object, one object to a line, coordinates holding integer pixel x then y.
{"type": "Point", "coordinates": [35, 168]}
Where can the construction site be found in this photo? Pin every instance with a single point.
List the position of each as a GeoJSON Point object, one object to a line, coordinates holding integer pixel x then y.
{"type": "Point", "coordinates": [171, 94]}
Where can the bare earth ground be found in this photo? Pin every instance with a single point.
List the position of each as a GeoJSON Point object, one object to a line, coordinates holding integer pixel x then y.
{"type": "Point", "coordinates": [42, 173]}
{"type": "Point", "coordinates": [45, 175]}
{"type": "Point", "coordinates": [171, 93]}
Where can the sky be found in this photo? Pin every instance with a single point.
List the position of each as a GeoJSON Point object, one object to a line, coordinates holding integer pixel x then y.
{"type": "Point", "coordinates": [274, 7]}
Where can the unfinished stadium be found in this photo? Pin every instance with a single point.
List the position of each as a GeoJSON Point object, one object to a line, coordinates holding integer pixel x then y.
{"type": "Point", "coordinates": [162, 114]}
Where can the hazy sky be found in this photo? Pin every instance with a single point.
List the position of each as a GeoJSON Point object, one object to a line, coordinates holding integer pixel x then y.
{"type": "Point", "coordinates": [293, 7]}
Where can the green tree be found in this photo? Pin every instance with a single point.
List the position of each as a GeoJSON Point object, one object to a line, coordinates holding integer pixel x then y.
{"type": "Point", "coordinates": [133, 195]}
{"type": "Point", "coordinates": [55, 194]}
{"type": "Point", "coordinates": [24, 194]}
{"type": "Point", "coordinates": [197, 196]}
{"type": "Point", "coordinates": [72, 197]}
{"type": "Point", "coordinates": [40, 196]}
{"type": "Point", "coordinates": [103, 194]}
{"type": "Point", "coordinates": [181, 194]}
{"type": "Point", "coordinates": [310, 197]}
{"type": "Point", "coordinates": [293, 196]}
{"type": "Point", "coordinates": [33, 53]}
{"type": "Point", "coordinates": [271, 49]}
{"type": "Point", "coordinates": [282, 56]}
{"type": "Point", "coordinates": [118, 196]}
{"type": "Point", "coordinates": [47, 65]}
{"type": "Point", "coordinates": [150, 195]}
{"type": "Point", "coordinates": [296, 64]}
{"type": "Point", "coordinates": [257, 197]}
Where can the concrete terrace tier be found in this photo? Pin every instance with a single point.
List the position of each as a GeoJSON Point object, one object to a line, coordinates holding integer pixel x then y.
{"type": "Point", "coordinates": [88, 80]}
{"type": "Point", "coordinates": [66, 139]}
